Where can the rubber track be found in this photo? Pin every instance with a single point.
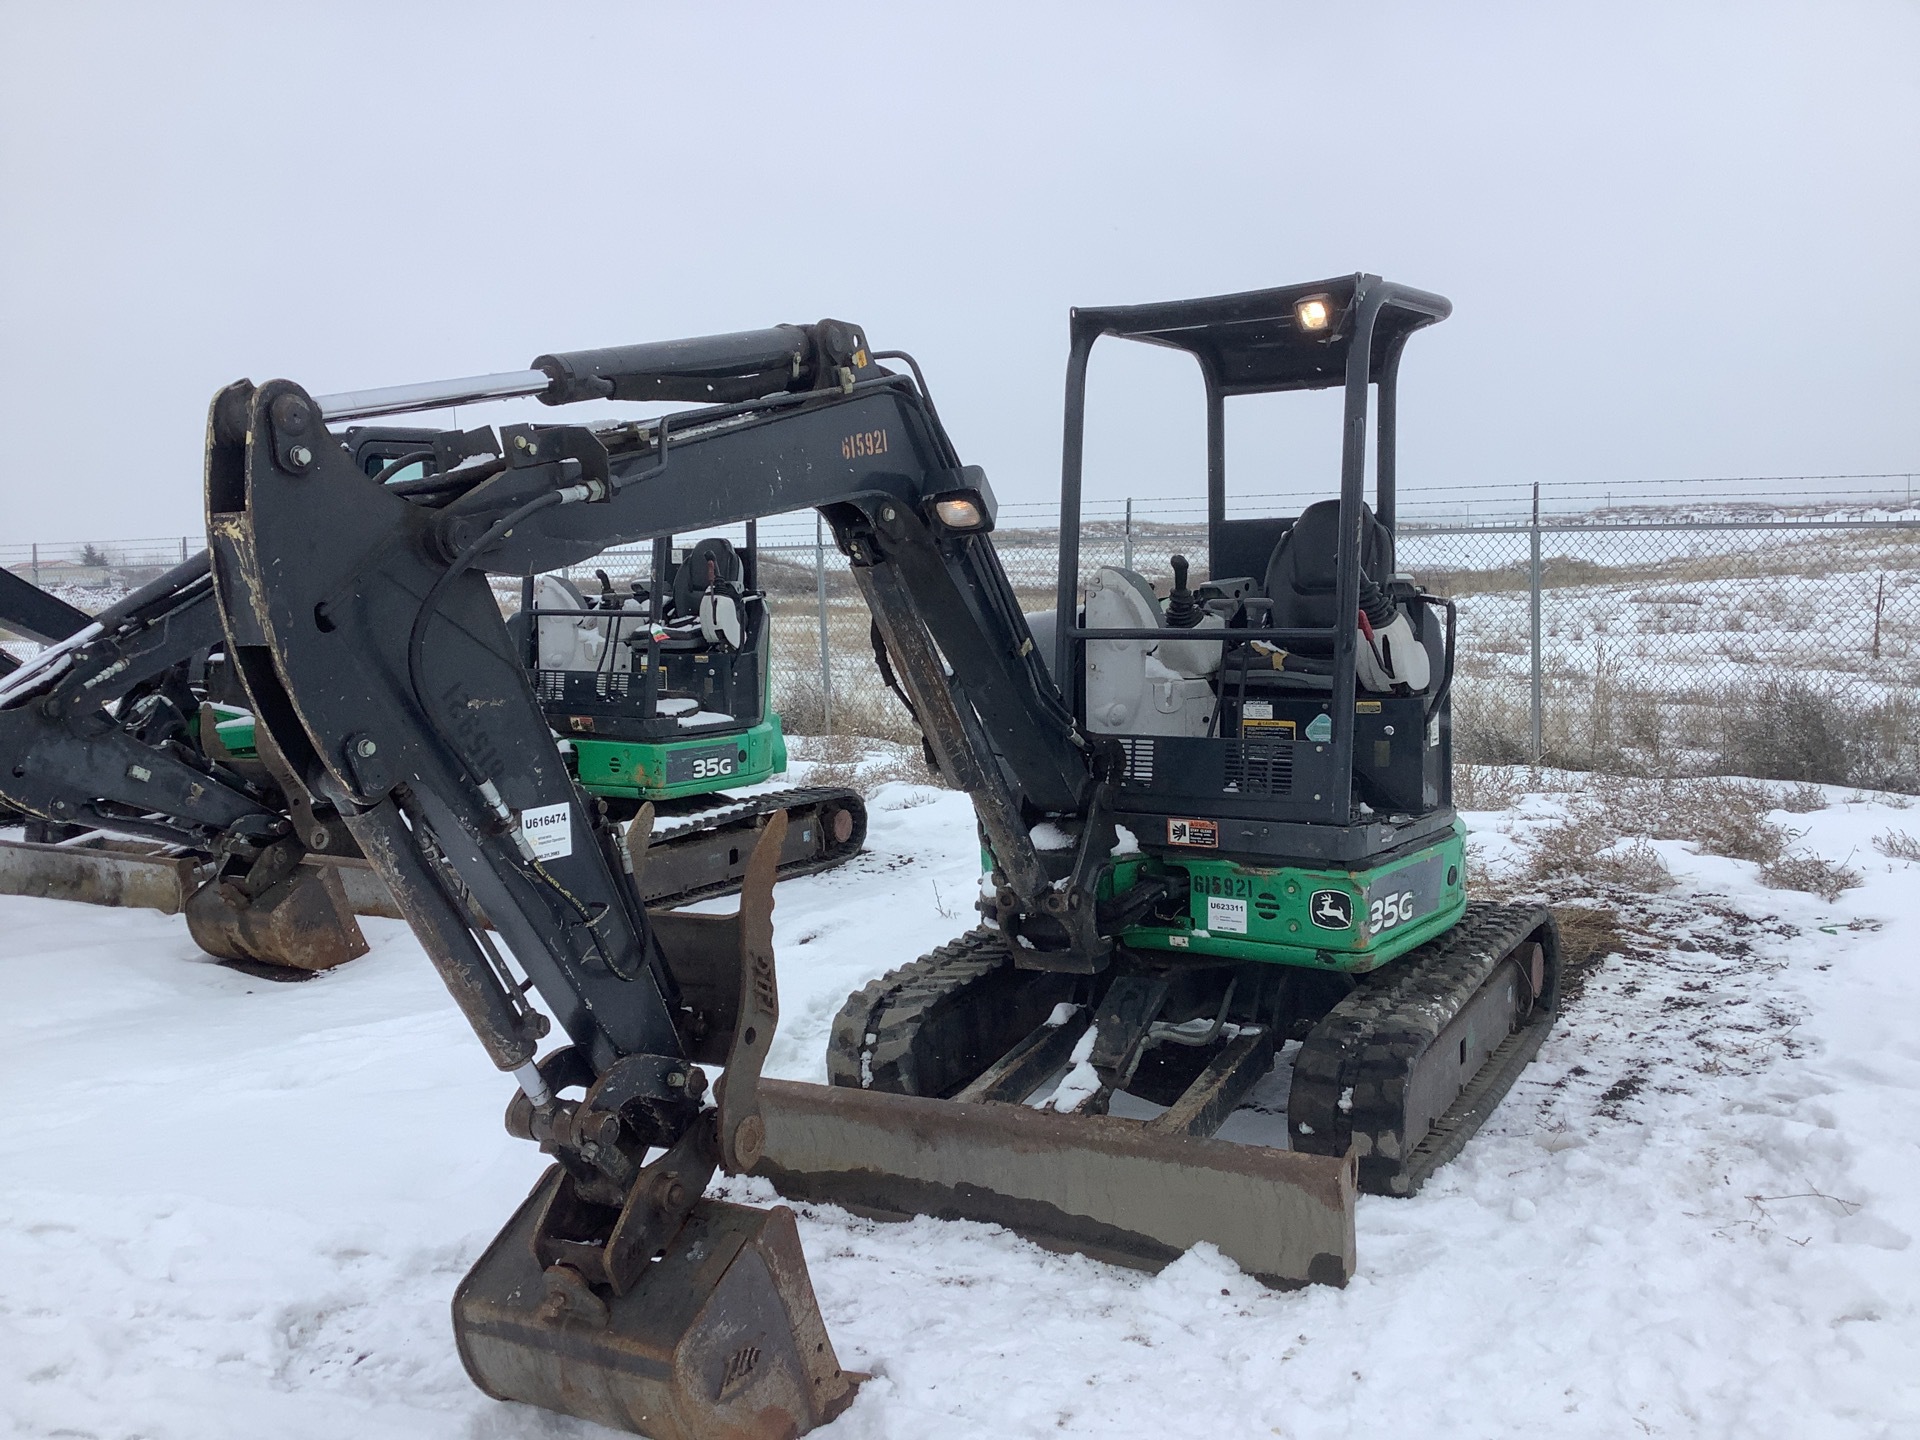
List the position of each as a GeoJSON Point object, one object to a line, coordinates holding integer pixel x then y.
{"type": "Point", "coordinates": [742, 814]}
{"type": "Point", "coordinates": [931, 1026]}
{"type": "Point", "coordinates": [1366, 1049]}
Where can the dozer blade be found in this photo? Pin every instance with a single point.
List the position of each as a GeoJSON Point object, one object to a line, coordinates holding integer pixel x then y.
{"type": "Point", "coordinates": [720, 1340]}
{"type": "Point", "coordinates": [140, 876]}
{"type": "Point", "coordinates": [1115, 1189]}
{"type": "Point", "coordinates": [300, 925]}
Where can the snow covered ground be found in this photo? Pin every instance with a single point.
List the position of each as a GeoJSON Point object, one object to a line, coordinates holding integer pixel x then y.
{"type": "Point", "coordinates": [229, 1208]}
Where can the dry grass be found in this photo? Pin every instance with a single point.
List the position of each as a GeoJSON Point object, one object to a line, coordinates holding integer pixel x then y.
{"type": "Point", "coordinates": [1586, 845]}
{"type": "Point", "coordinates": [1803, 799]}
{"type": "Point", "coordinates": [859, 763]}
{"type": "Point", "coordinates": [1588, 935]}
{"type": "Point", "coordinates": [1898, 845]}
{"type": "Point", "coordinates": [1605, 837]}
{"type": "Point", "coordinates": [1719, 816]}
{"type": "Point", "coordinates": [1811, 873]}
{"type": "Point", "coordinates": [1485, 787]}
{"type": "Point", "coordinates": [1725, 817]}
{"type": "Point", "coordinates": [868, 709]}
{"type": "Point", "coordinates": [1781, 729]}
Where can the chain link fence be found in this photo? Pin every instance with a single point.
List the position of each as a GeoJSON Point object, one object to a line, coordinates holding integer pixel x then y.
{"type": "Point", "coordinates": [1780, 647]}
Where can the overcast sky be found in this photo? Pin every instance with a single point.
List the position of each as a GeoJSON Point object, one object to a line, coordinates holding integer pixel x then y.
{"type": "Point", "coordinates": [1679, 240]}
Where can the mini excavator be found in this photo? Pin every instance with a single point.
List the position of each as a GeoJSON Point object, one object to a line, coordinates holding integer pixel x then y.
{"type": "Point", "coordinates": [109, 756]}
{"type": "Point", "coordinates": [1217, 832]}
{"type": "Point", "coordinates": [140, 779]}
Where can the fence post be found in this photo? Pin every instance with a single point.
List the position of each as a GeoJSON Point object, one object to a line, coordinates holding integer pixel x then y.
{"type": "Point", "coordinates": [826, 657]}
{"type": "Point", "coordinates": [1129, 534]}
{"type": "Point", "coordinates": [36, 563]}
{"type": "Point", "coordinates": [183, 549]}
{"type": "Point", "coordinates": [1533, 593]}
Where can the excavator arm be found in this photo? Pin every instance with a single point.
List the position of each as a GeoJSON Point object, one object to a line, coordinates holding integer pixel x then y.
{"type": "Point", "coordinates": [360, 618]}
{"type": "Point", "coordinates": [102, 731]}
{"type": "Point", "coordinates": [75, 761]}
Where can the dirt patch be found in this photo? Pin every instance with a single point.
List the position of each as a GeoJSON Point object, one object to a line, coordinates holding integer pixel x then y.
{"type": "Point", "coordinates": [1618, 1093]}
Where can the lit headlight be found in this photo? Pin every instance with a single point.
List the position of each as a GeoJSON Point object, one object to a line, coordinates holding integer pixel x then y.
{"type": "Point", "coordinates": [960, 512]}
{"type": "Point", "coordinates": [1313, 313]}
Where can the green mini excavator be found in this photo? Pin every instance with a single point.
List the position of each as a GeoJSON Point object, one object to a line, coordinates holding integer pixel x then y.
{"type": "Point", "coordinates": [1220, 846]}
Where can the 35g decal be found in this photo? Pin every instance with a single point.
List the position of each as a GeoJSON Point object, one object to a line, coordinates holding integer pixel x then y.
{"type": "Point", "coordinates": [1389, 911]}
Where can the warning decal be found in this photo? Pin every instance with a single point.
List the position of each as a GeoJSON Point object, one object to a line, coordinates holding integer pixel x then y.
{"type": "Point", "coordinates": [1204, 833]}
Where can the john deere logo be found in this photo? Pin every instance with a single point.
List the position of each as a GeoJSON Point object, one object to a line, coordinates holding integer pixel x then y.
{"type": "Point", "coordinates": [1332, 909]}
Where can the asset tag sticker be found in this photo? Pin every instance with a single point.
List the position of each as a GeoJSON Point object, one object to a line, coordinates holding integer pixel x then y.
{"type": "Point", "coordinates": [549, 830]}
{"type": "Point", "coordinates": [1205, 833]}
{"type": "Point", "coordinates": [1227, 915]}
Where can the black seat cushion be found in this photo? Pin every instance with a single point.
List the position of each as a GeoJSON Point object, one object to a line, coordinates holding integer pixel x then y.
{"type": "Point", "coordinates": [713, 561]}
{"type": "Point", "coordinates": [1302, 573]}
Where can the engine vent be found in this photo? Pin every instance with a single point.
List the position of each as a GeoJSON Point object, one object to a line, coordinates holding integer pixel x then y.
{"type": "Point", "coordinates": [1259, 767]}
{"type": "Point", "coordinates": [561, 686]}
{"type": "Point", "coordinates": [1139, 768]}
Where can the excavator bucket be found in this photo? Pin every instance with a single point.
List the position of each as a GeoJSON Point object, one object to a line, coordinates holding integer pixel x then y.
{"type": "Point", "coordinates": [705, 1328]}
{"type": "Point", "coordinates": [299, 925]}
{"type": "Point", "coordinates": [720, 1340]}
{"type": "Point", "coordinates": [296, 926]}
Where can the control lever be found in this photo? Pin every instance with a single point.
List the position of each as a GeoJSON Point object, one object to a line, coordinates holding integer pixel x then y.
{"type": "Point", "coordinates": [1182, 611]}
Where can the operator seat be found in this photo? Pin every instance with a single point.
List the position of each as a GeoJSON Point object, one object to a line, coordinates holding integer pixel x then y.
{"type": "Point", "coordinates": [713, 561]}
{"type": "Point", "coordinates": [1303, 571]}
{"type": "Point", "coordinates": [1302, 576]}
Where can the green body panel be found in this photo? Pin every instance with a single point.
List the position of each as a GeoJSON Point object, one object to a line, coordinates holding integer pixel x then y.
{"type": "Point", "coordinates": [235, 728]}
{"type": "Point", "coordinates": [621, 769]}
{"type": "Point", "coordinates": [637, 770]}
{"type": "Point", "coordinates": [1245, 912]}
